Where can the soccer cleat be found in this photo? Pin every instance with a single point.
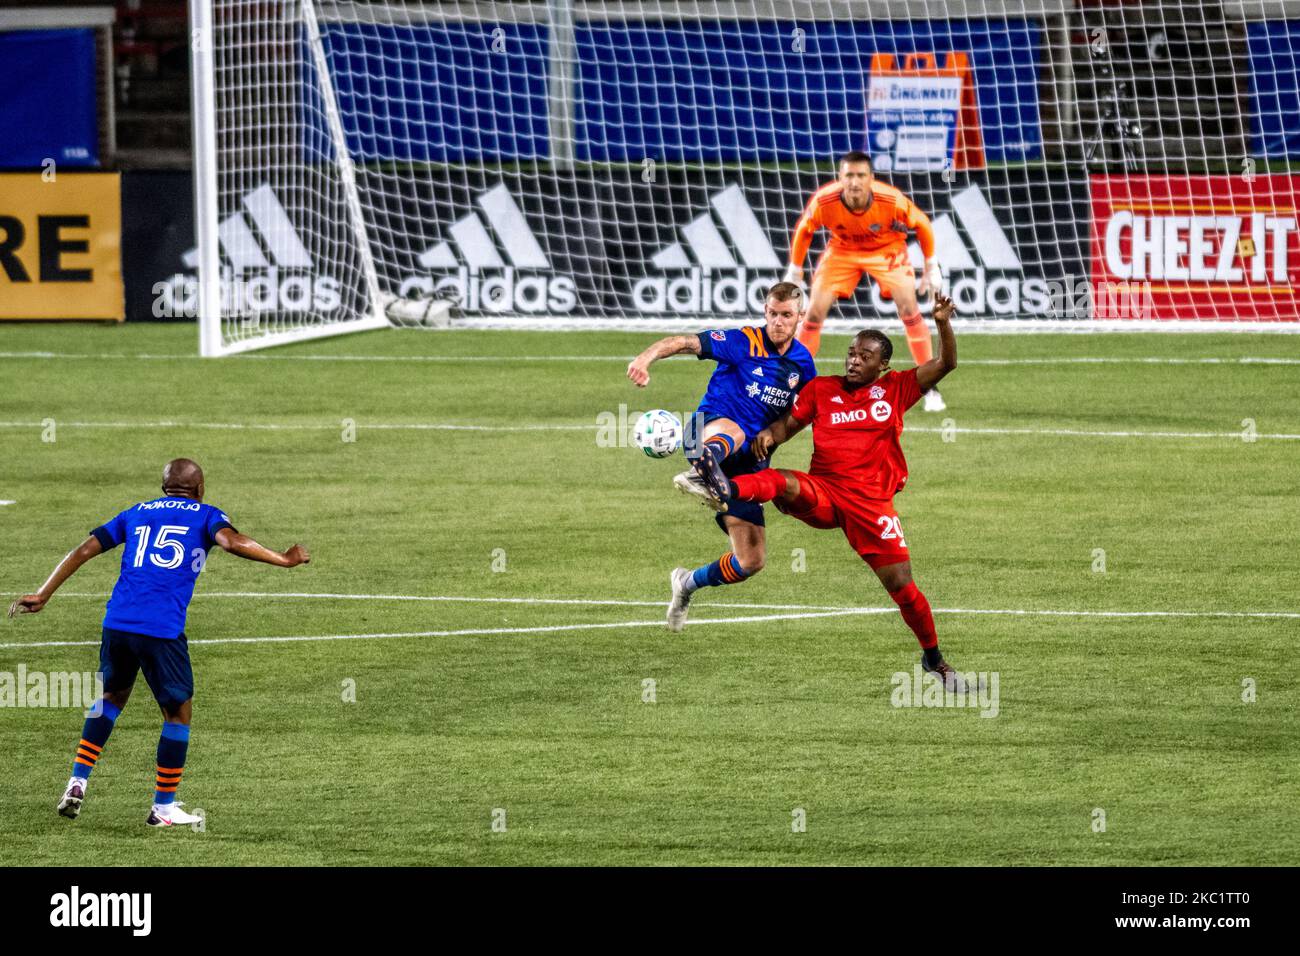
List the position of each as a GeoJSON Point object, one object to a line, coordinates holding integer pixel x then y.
{"type": "Point", "coordinates": [70, 804]}
{"type": "Point", "coordinates": [170, 815]}
{"type": "Point", "coordinates": [689, 483]}
{"type": "Point", "coordinates": [681, 600]}
{"type": "Point", "coordinates": [934, 401]}
{"type": "Point", "coordinates": [710, 471]}
{"type": "Point", "coordinates": [952, 681]}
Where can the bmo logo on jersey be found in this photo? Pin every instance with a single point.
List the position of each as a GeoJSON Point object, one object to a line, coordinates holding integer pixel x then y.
{"type": "Point", "coordinates": [880, 411]}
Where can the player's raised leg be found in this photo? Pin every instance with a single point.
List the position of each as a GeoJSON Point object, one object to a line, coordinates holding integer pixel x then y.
{"type": "Point", "coordinates": [707, 448]}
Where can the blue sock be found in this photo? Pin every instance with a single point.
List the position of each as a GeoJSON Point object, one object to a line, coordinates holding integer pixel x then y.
{"type": "Point", "coordinates": [173, 743]}
{"type": "Point", "coordinates": [721, 443]}
{"type": "Point", "coordinates": [725, 570]}
{"type": "Point", "coordinates": [94, 735]}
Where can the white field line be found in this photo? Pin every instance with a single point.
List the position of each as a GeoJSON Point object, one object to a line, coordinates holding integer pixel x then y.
{"type": "Point", "coordinates": [310, 426]}
{"type": "Point", "coordinates": [551, 629]}
{"type": "Point", "coordinates": [443, 598]}
{"type": "Point", "coordinates": [824, 360]}
{"type": "Point", "coordinates": [484, 631]}
{"type": "Point", "coordinates": [614, 602]}
{"type": "Point", "coordinates": [594, 427]}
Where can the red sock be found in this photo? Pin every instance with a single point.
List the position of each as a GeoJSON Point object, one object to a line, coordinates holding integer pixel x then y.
{"type": "Point", "coordinates": [916, 612]}
{"type": "Point", "coordinates": [761, 486]}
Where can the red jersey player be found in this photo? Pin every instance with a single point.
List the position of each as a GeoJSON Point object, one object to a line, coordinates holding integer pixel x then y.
{"type": "Point", "coordinates": [868, 222]}
{"type": "Point", "coordinates": [857, 465]}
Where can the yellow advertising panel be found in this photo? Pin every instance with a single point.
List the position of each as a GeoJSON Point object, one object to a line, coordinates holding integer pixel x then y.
{"type": "Point", "coordinates": [60, 246]}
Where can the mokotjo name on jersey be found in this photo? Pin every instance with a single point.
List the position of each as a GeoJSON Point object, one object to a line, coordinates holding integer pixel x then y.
{"type": "Point", "coordinates": [481, 279]}
{"type": "Point", "coordinates": [718, 280]}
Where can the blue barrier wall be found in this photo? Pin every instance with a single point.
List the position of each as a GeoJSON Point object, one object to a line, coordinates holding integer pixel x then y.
{"type": "Point", "coordinates": [47, 99]}
{"type": "Point", "coordinates": [737, 90]}
{"type": "Point", "coordinates": [704, 91]}
{"type": "Point", "coordinates": [1275, 87]}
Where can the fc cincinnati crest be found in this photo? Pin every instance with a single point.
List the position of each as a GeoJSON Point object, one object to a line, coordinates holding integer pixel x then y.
{"type": "Point", "coordinates": [793, 380]}
{"type": "Point", "coordinates": [877, 391]}
{"type": "Point", "coordinates": [719, 336]}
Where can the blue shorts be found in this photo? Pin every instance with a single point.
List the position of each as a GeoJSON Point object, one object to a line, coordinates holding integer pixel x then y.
{"type": "Point", "coordinates": [737, 463]}
{"type": "Point", "coordinates": [165, 663]}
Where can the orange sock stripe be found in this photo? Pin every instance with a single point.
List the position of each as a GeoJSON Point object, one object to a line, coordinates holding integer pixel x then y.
{"type": "Point", "coordinates": [89, 746]}
{"type": "Point", "coordinates": [162, 789]}
{"type": "Point", "coordinates": [171, 769]}
{"type": "Point", "coordinates": [82, 752]}
{"type": "Point", "coordinates": [728, 572]}
{"type": "Point", "coordinates": [83, 761]}
{"type": "Point", "coordinates": [168, 777]}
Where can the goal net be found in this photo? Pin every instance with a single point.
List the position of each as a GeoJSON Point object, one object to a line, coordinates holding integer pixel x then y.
{"type": "Point", "coordinates": [642, 164]}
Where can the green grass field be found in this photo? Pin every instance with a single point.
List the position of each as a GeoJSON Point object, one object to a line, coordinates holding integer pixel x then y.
{"type": "Point", "coordinates": [466, 706]}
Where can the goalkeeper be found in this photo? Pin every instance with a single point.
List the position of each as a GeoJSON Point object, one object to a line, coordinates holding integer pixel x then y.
{"type": "Point", "coordinates": [869, 222]}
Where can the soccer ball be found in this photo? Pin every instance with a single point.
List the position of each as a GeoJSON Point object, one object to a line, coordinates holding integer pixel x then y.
{"type": "Point", "coordinates": [658, 433]}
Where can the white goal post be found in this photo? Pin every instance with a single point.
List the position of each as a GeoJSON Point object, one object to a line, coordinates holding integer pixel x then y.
{"type": "Point", "coordinates": [586, 164]}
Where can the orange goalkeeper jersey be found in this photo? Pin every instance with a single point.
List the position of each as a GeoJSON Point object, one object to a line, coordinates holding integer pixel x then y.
{"type": "Point", "coordinates": [884, 224]}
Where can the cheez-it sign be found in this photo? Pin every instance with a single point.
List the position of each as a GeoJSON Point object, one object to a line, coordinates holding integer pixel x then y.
{"type": "Point", "coordinates": [1221, 248]}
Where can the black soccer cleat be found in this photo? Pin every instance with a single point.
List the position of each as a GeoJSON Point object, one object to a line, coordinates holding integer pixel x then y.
{"type": "Point", "coordinates": [952, 681]}
{"type": "Point", "coordinates": [710, 471]}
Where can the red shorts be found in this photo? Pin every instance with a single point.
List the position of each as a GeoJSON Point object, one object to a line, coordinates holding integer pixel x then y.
{"type": "Point", "coordinates": [870, 524]}
{"type": "Point", "coordinates": [840, 270]}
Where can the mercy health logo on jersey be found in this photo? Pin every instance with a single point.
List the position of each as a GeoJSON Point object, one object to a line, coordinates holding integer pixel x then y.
{"type": "Point", "coordinates": [717, 276]}
{"type": "Point", "coordinates": [265, 267]}
{"type": "Point", "coordinates": [1207, 247]}
{"type": "Point", "coordinates": [469, 265]}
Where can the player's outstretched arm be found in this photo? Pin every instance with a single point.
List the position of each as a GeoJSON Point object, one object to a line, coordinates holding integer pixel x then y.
{"type": "Point", "coordinates": [777, 433]}
{"type": "Point", "coordinates": [638, 370]}
{"type": "Point", "coordinates": [929, 373]}
{"type": "Point", "coordinates": [32, 603]}
{"type": "Point", "coordinates": [245, 547]}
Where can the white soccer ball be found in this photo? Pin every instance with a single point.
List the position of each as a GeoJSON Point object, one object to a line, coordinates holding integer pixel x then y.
{"type": "Point", "coordinates": [658, 433]}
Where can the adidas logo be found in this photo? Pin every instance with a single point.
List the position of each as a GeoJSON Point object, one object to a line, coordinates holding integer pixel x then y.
{"type": "Point", "coordinates": [721, 276]}
{"type": "Point", "coordinates": [967, 281]}
{"type": "Point", "coordinates": [836, 400]}
{"type": "Point", "coordinates": [484, 281]}
{"type": "Point", "coordinates": [758, 370]}
{"type": "Point", "coordinates": [266, 267]}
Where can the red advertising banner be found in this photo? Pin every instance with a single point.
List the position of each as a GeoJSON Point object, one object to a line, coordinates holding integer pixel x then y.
{"type": "Point", "coordinates": [1223, 248]}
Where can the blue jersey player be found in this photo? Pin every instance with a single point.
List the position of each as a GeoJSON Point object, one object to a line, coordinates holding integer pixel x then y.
{"type": "Point", "coordinates": [760, 370]}
{"type": "Point", "coordinates": [166, 543]}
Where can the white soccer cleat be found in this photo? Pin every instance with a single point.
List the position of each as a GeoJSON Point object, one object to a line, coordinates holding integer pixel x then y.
{"type": "Point", "coordinates": [681, 601]}
{"type": "Point", "coordinates": [171, 815]}
{"type": "Point", "coordinates": [70, 804]}
{"type": "Point", "coordinates": [689, 483]}
{"type": "Point", "coordinates": [934, 401]}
